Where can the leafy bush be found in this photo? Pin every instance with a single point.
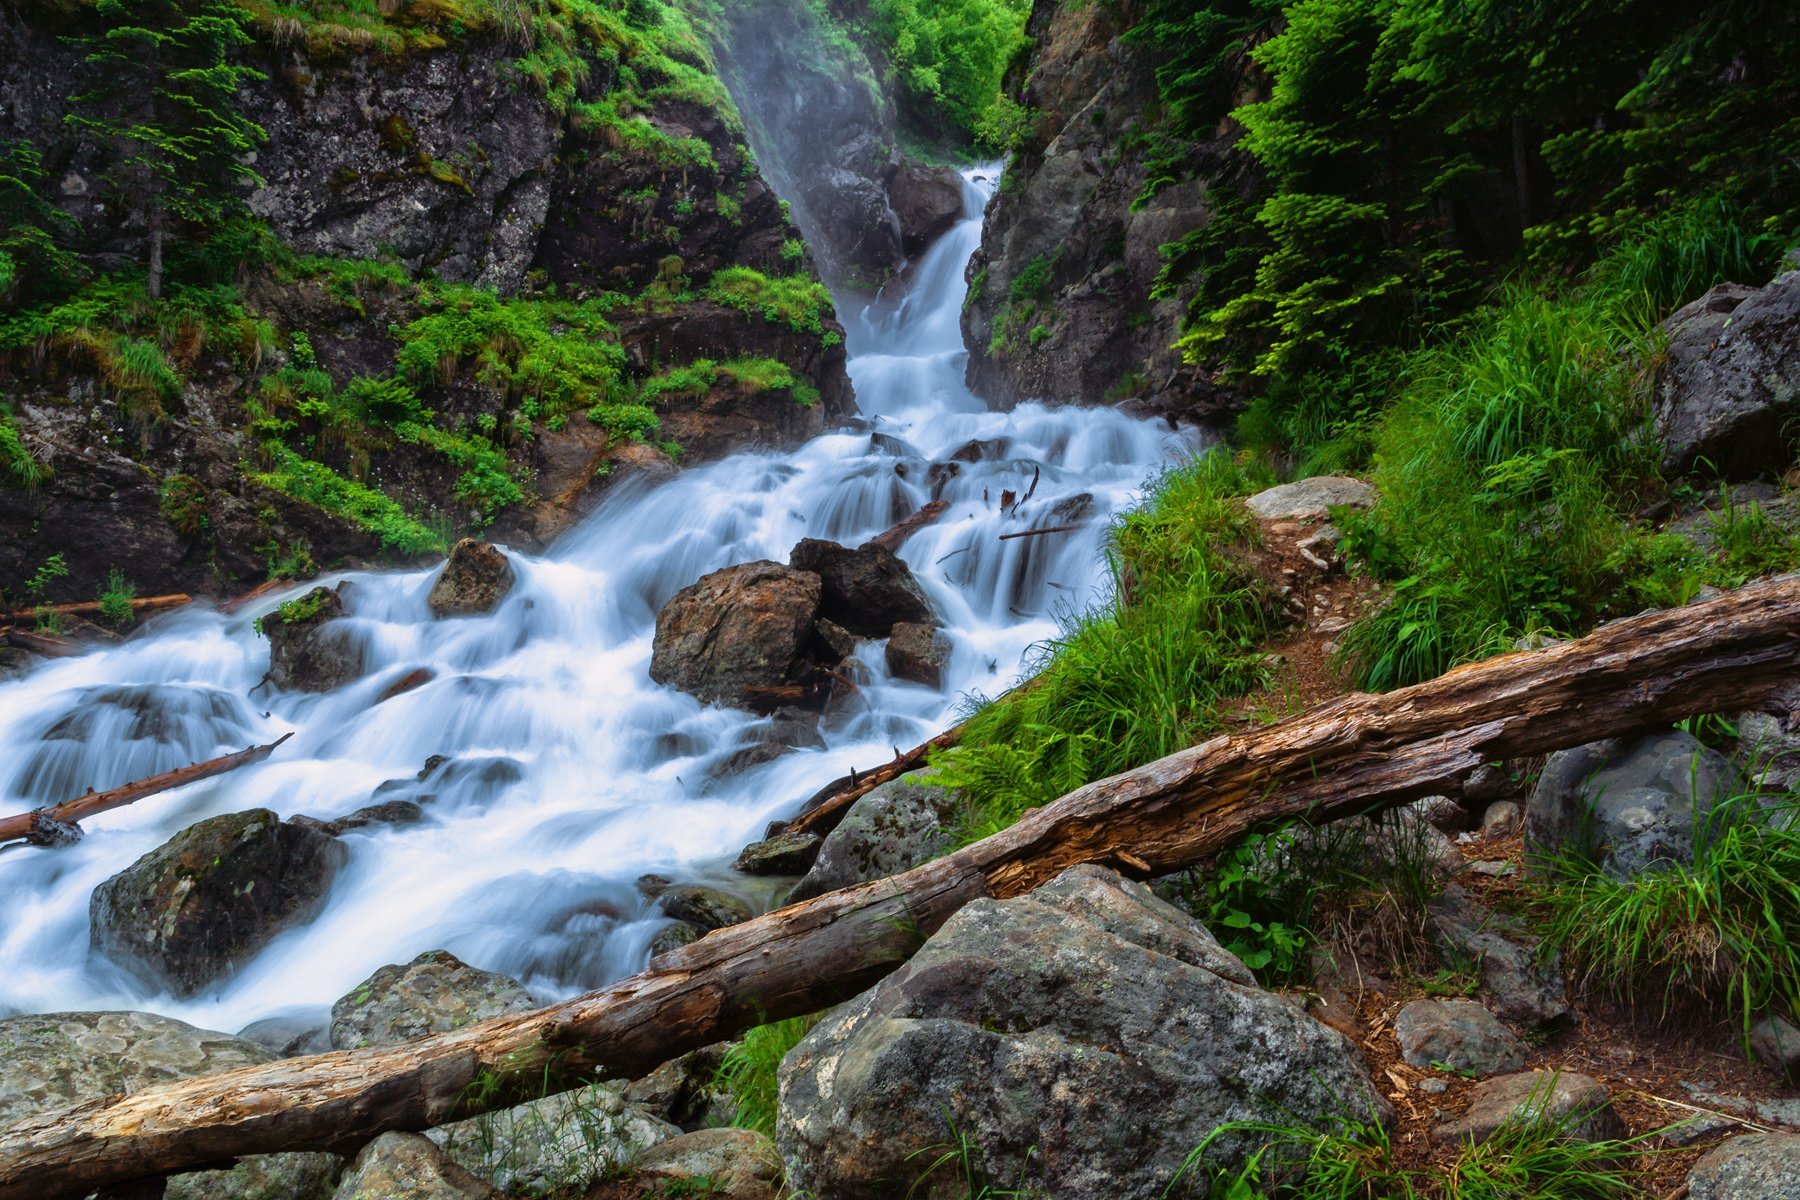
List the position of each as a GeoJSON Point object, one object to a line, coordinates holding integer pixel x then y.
{"type": "Point", "coordinates": [798, 301]}
{"type": "Point", "coordinates": [318, 485]}
{"type": "Point", "coordinates": [115, 599]}
{"type": "Point", "coordinates": [949, 56]}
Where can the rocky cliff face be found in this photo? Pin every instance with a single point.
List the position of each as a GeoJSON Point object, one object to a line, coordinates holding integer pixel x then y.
{"type": "Point", "coordinates": [605, 214]}
{"type": "Point", "coordinates": [1060, 305]}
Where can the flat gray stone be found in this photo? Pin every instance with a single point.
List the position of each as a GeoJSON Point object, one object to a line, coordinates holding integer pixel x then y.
{"type": "Point", "coordinates": [1523, 985]}
{"type": "Point", "coordinates": [1311, 499]}
{"type": "Point", "coordinates": [1759, 1166]}
{"type": "Point", "coordinates": [563, 1141]}
{"type": "Point", "coordinates": [405, 1166]}
{"type": "Point", "coordinates": [434, 993]}
{"type": "Point", "coordinates": [738, 1164]}
{"type": "Point", "coordinates": [1457, 1035]}
{"type": "Point", "coordinates": [1577, 1104]}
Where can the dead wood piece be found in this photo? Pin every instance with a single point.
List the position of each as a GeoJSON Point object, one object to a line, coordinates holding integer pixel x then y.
{"type": "Point", "coordinates": [88, 608]}
{"type": "Point", "coordinates": [30, 826]}
{"type": "Point", "coordinates": [1007, 537]}
{"type": "Point", "coordinates": [254, 594]}
{"type": "Point", "coordinates": [1344, 757]}
{"type": "Point", "coordinates": [45, 644]}
{"type": "Point", "coordinates": [891, 539]}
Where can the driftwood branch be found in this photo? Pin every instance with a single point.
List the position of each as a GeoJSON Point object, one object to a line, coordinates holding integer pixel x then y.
{"type": "Point", "coordinates": [1344, 757]}
{"type": "Point", "coordinates": [827, 809]}
{"type": "Point", "coordinates": [38, 643]}
{"type": "Point", "coordinates": [892, 538]}
{"type": "Point", "coordinates": [88, 608]}
{"type": "Point", "coordinates": [1007, 537]}
{"type": "Point", "coordinates": [32, 826]}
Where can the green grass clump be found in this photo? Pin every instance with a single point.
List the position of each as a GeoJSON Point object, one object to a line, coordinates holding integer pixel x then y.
{"type": "Point", "coordinates": [798, 301]}
{"type": "Point", "coordinates": [1722, 934]}
{"type": "Point", "coordinates": [1141, 675]}
{"type": "Point", "coordinates": [748, 1071]}
{"type": "Point", "coordinates": [18, 465]}
{"type": "Point", "coordinates": [115, 598]}
{"type": "Point", "coordinates": [318, 485]}
{"type": "Point", "coordinates": [1353, 1158]}
{"type": "Point", "coordinates": [749, 376]}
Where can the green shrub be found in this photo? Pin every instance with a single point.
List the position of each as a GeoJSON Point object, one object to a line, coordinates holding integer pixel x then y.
{"type": "Point", "coordinates": [115, 599]}
{"type": "Point", "coordinates": [794, 300]}
{"type": "Point", "coordinates": [18, 465]}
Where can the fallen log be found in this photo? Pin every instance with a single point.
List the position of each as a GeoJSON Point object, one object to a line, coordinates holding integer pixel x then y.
{"type": "Point", "coordinates": [45, 644]}
{"type": "Point", "coordinates": [88, 608]}
{"type": "Point", "coordinates": [254, 594]}
{"type": "Point", "coordinates": [892, 538]}
{"type": "Point", "coordinates": [1344, 757]}
{"type": "Point", "coordinates": [40, 826]}
{"type": "Point", "coordinates": [824, 814]}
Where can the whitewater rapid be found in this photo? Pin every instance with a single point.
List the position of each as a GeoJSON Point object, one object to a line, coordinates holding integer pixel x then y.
{"type": "Point", "coordinates": [570, 774]}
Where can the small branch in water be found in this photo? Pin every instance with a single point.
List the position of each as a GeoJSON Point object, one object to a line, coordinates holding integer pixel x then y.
{"type": "Point", "coordinates": [900, 532]}
{"type": "Point", "coordinates": [88, 608]}
{"type": "Point", "coordinates": [1041, 532]}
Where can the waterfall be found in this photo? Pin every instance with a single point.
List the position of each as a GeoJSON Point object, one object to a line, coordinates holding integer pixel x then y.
{"type": "Point", "coordinates": [568, 774]}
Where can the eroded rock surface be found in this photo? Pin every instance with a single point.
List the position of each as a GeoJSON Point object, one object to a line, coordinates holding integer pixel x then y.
{"type": "Point", "coordinates": [433, 993]}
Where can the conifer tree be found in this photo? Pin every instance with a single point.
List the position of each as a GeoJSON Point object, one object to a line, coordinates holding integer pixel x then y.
{"type": "Point", "coordinates": [31, 254]}
{"type": "Point", "coordinates": [167, 99]}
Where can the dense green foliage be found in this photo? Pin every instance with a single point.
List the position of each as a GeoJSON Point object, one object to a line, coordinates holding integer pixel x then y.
{"type": "Point", "coordinates": [167, 102]}
{"type": "Point", "coordinates": [948, 57]}
{"type": "Point", "coordinates": [748, 1071]}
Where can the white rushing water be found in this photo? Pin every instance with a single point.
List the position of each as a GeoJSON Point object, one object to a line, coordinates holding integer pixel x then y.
{"type": "Point", "coordinates": [570, 773]}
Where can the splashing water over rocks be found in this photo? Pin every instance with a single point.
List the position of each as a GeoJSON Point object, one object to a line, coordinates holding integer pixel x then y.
{"type": "Point", "coordinates": [565, 774]}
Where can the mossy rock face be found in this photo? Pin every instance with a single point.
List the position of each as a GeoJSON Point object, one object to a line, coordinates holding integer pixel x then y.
{"type": "Point", "coordinates": [307, 651]}
{"type": "Point", "coordinates": [211, 896]}
{"type": "Point", "coordinates": [894, 828]}
{"type": "Point", "coordinates": [55, 1060]}
{"type": "Point", "coordinates": [433, 993]}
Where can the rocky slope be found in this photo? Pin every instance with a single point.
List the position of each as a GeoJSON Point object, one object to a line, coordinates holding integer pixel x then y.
{"type": "Point", "coordinates": [1060, 304]}
{"type": "Point", "coordinates": [462, 225]}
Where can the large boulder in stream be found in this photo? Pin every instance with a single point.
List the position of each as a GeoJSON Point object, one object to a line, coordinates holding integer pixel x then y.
{"type": "Point", "coordinates": [474, 580]}
{"type": "Point", "coordinates": [743, 626]}
{"type": "Point", "coordinates": [927, 201]}
{"type": "Point", "coordinates": [434, 993]}
{"type": "Point", "coordinates": [308, 650]}
{"type": "Point", "coordinates": [189, 911]}
{"type": "Point", "coordinates": [57, 1060]}
{"type": "Point", "coordinates": [1086, 1037]}
{"type": "Point", "coordinates": [867, 590]}
{"type": "Point", "coordinates": [893, 828]}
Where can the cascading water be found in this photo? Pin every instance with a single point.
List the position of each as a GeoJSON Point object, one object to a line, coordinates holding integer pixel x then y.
{"type": "Point", "coordinates": [568, 773]}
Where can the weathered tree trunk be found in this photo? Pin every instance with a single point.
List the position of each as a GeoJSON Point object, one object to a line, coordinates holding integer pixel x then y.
{"type": "Point", "coordinates": [1344, 757]}
{"type": "Point", "coordinates": [901, 530]}
{"type": "Point", "coordinates": [158, 225]}
{"type": "Point", "coordinates": [32, 826]}
{"type": "Point", "coordinates": [90, 607]}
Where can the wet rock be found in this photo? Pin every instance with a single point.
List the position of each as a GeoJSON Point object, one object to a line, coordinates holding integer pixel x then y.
{"type": "Point", "coordinates": [1777, 1043]}
{"type": "Point", "coordinates": [783, 854]}
{"type": "Point", "coordinates": [893, 828]}
{"type": "Point", "coordinates": [704, 908]}
{"type": "Point", "coordinates": [1458, 1035]}
{"type": "Point", "coordinates": [867, 590]}
{"type": "Point", "coordinates": [57, 1060]}
{"type": "Point", "coordinates": [681, 1090]}
{"type": "Point", "coordinates": [290, 1036]}
{"type": "Point", "coordinates": [563, 1141]}
{"type": "Point", "coordinates": [405, 1166]}
{"type": "Point", "coordinates": [1310, 499]}
{"type": "Point", "coordinates": [744, 626]}
{"type": "Point", "coordinates": [1581, 1107]}
{"type": "Point", "coordinates": [307, 651]}
{"type": "Point", "coordinates": [186, 913]}
{"type": "Point", "coordinates": [1759, 1166]}
{"type": "Point", "coordinates": [675, 935]}
{"type": "Point", "coordinates": [839, 640]}
{"type": "Point", "coordinates": [738, 1164]}
{"type": "Point", "coordinates": [1731, 381]}
{"type": "Point", "coordinates": [474, 581]}
{"type": "Point", "coordinates": [388, 812]}
{"type": "Point", "coordinates": [1628, 805]}
{"type": "Point", "coordinates": [1086, 1036]}
{"type": "Point", "coordinates": [918, 653]}
{"type": "Point", "coordinates": [928, 202]}
{"type": "Point", "coordinates": [1441, 813]}
{"type": "Point", "coordinates": [1523, 985]}
{"type": "Point", "coordinates": [981, 450]}
{"type": "Point", "coordinates": [1501, 820]}
{"type": "Point", "coordinates": [433, 993]}
{"type": "Point", "coordinates": [1768, 750]}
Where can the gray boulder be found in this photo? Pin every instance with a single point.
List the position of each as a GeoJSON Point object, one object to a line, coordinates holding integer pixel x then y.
{"type": "Point", "coordinates": [739, 627]}
{"type": "Point", "coordinates": [867, 590]}
{"type": "Point", "coordinates": [783, 854]}
{"type": "Point", "coordinates": [1310, 499]}
{"type": "Point", "coordinates": [894, 828]}
{"type": "Point", "coordinates": [1776, 1042]}
{"type": "Point", "coordinates": [57, 1060]}
{"type": "Point", "coordinates": [308, 650]}
{"type": "Point", "coordinates": [1086, 1037]}
{"type": "Point", "coordinates": [1731, 381]}
{"type": "Point", "coordinates": [1523, 983]}
{"type": "Point", "coordinates": [563, 1141]}
{"type": "Point", "coordinates": [918, 653]}
{"type": "Point", "coordinates": [184, 914]}
{"type": "Point", "coordinates": [1458, 1035]}
{"type": "Point", "coordinates": [734, 1164]}
{"type": "Point", "coordinates": [1760, 1166]}
{"type": "Point", "coordinates": [474, 580]}
{"type": "Point", "coordinates": [706, 909]}
{"type": "Point", "coordinates": [405, 1166]}
{"type": "Point", "coordinates": [1579, 1107]}
{"type": "Point", "coordinates": [433, 993]}
{"type": "Point", "coordinates": [1628, 805]}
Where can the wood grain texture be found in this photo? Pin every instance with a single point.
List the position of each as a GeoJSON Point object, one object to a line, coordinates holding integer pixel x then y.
{"type": "Point", "coordinates": [1349, 756]}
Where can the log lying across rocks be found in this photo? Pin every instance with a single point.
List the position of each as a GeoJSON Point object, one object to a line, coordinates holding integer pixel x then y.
{"type": "Point", "coordinates": [50, 826]}
{"type": "Point", "coordinates": [827, 810]}
{"type": "Point", "coordinates": [1347, 756]}
{"type": "Point", "coordinates": [902, 530]}
{"type": "Point", "coordinates": [89, 608]}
